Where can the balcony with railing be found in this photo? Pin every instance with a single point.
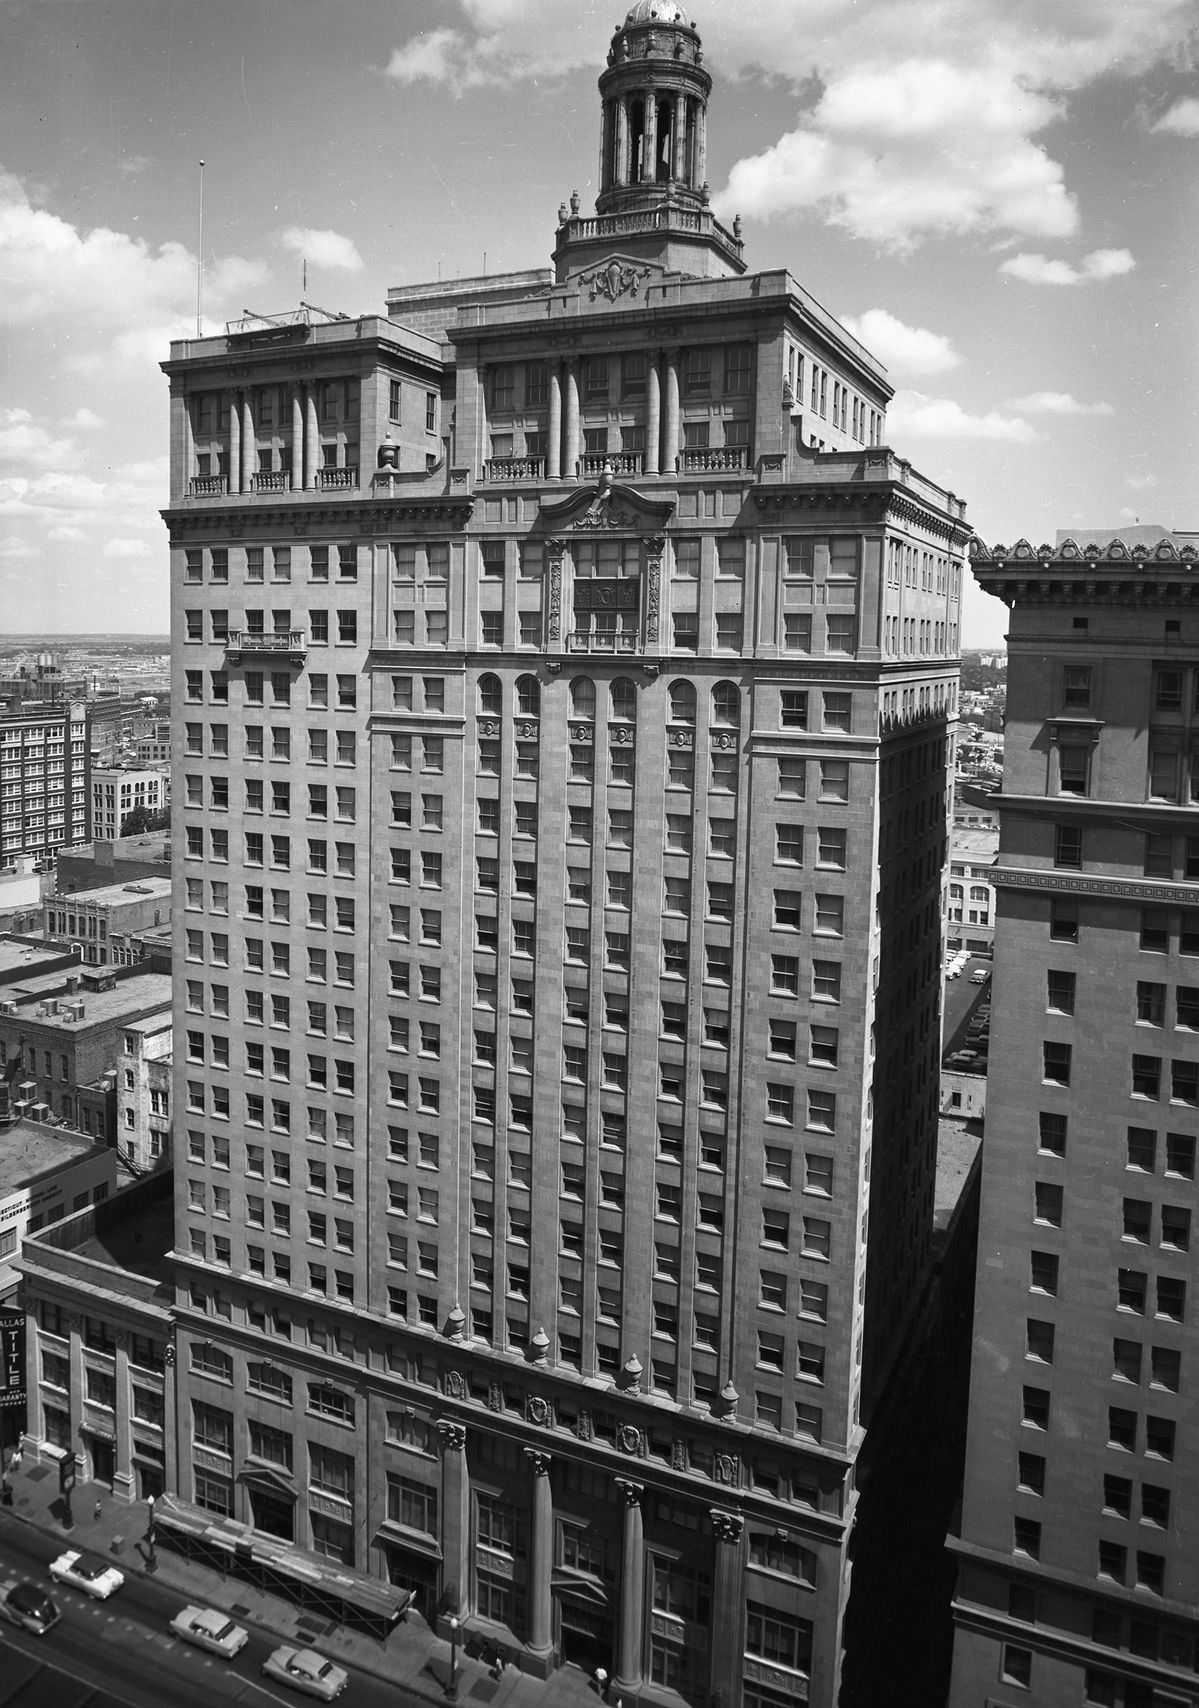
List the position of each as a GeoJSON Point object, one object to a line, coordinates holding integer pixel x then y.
{"type": "Point", "coordinates": [668, 219]}
{"type": "Point", "coordinates": [514, 468]}
{"type": "Point", "coordinates": [621, 463]}
{"type": "Point", "coordinates": [278, 480]}
{"type": "Point", "coordinates": [209, 485]}
{"type": "Point", "coordinates": [337, 480]}
{"type": "Point", "coordinates": [289, 644]}
{"type": "Point", "coordinates": [714, 459]}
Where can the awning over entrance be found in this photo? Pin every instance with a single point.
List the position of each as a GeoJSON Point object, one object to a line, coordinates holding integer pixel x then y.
{"type": "Point", "coordinates": [335, 1592]}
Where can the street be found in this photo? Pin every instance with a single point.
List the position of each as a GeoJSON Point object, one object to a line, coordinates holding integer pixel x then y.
{"type": "Point", "coordinates": [119, 1653]}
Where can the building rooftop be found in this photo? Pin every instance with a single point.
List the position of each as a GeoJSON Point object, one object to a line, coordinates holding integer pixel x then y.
{"type": "Point", "coordinates": [974, 843]}
{"type": "Point", "coordinates": [117, 1246]}
{"type": "Point", "coordinates": [31, 1151]}
{"type": "Point", "coordinates": [17, 958]}
{"type": "Point", "coordinates": [117, 895]}
{"type": "Point", "coordinates": [137, 994]}
{"type": "Point", "coordinates": [136, 1240]}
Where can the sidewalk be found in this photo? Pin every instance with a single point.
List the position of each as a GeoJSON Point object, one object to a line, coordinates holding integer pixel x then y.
{"type": "Point", "coordinates": [411, 1658]}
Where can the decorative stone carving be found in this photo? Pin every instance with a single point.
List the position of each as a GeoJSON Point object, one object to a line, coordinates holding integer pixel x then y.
{"type": "Point", "coordinates": [654, 547]}
{"type": "Point", "coordinates": [453, 1435]}
{"type": "Point", "coordinates": [631, 1492]}
{"type": "Point", "coordinates": [454, 1383]}
{"type": "Point", "coordinates": [630, 1440]}
{"type": "Point", "coordinates": [726, 1468]}
{"type": "Point", "coordinates": [554, 552]}
{"type": "Point", "coordinates": [583, 1426]}
{"type": "Point", "coordinates": [723, 738]}
{"type": "Point", "coordinates": [726, 1526]}
{"type": "Point", "coordinates": [680, 737]}
{"type": "Point", "coordinates": [495, 1396]}
{"type": "Point", "coordinates": [538, 1410]}
{"type": "Point", "coordinates": [489, 727]}
{"type": "Point", "coordinates": [582, 733]}
{"type": "Point", "coordinates": [168, 1357]}
{"type": "Point", "coordinates": [615, 280]}
{"type": "Point", "coordinates": [539, 1462]}
{"type": "Point", "coordinates": [621, 735]}
{"type": "Point", "coordinates": [678, 1455]}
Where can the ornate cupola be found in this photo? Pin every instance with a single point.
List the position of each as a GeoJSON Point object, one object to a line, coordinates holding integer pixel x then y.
{"type": "Point", "coordinates": [653, 194]}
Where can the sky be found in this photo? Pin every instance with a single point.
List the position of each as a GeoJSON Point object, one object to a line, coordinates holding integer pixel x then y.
{"type": "Point", "coordinates": [997, 196]}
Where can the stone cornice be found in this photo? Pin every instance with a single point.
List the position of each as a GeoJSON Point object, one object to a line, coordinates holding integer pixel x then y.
{"type": "Point", "coordinates": [1056, 882]}
{"type": "Point", "coordinates": [363, 515]}
{"type": "Point", "coordinates": [1115, 574]}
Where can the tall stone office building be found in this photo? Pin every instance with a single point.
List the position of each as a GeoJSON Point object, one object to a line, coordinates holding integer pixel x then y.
{"type": "Point", "coordinates": [564, 687]}
{"type": "Point", "coordinates": [1078, 1575]}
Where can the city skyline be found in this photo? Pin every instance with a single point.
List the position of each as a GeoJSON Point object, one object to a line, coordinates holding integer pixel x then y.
{"type": "Point", "coordinates": [1008, 252]}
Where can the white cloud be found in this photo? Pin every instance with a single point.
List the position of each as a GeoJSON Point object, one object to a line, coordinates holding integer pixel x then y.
{"type": "Point", "coordinates": [100, 280]}
{"type": "Point", "coordinates": [125, 549]}
{"type": "Point", "coordinates": [891, 141]}
{"type": "Point", "coordinates": [1182, 119]}
{"type": "Point", "coordinates": [23, 444]}
{"type": "Point", "coordinates": [84, 417]}
{"type": "Point", "coordinates": [1094, 268]}
{"type": "Point", "coordinates": [1141, 482]}
{"type": "Point", "coordinates": [1058, 403]}
{"type": "Point", "coordinates": [323, 248]}
{"type": "Point", "coordinates": [65, 531]}
{"type": "Point", "coordinates": [907, 349]}
{"type": "Point", "coordinates": [11, 547]}
{"type": "Point", "coordinates": [914, 415]}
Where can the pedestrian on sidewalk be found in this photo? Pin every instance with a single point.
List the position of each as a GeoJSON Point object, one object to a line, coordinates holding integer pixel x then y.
{"type": "Point", "coordinates": [97, 1510]}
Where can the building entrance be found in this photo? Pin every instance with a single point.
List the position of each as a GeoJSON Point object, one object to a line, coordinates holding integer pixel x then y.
{"type": "Point", "coordinates": [586, 1635]}
{"type": "Point", "coordinates": [104, 1462]}
{"type": "Point", "coordinates": [273, 1514]}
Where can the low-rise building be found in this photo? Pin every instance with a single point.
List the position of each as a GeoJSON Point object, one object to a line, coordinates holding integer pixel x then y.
{"type": "Point", "coordinates": [45, 1174]}
{"type": "Point", "coordinates": [118, 790]}
{"type": "Point", "coordinates": [970, 895]}
{"type": "Point", "coordinates": [143, 1092]}
{"type": "Point", "coordinates": [99, 1341]}
{"type": "Point", "coordinates": [95, 864]}
{"type": "Point", "coordinates": [96, 918]}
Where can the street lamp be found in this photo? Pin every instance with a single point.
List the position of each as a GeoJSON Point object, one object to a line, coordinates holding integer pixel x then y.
{"type": "Point", "coordinates": [151, 1556]}
{"type": "Point", "coordinates": [451, 1689]}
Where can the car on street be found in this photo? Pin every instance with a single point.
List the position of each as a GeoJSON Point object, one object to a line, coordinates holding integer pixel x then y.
{"type": "Point", "coordinates": [305, 1670]}
{"type": "Point", "coordinates": [93, 1577]}
{"type": "Point", "coordinates": [210, 1630]}
{"type": "Point", "coordinates": [28, 1606]}
{"type": "Point", "coordinates": [980, 976]}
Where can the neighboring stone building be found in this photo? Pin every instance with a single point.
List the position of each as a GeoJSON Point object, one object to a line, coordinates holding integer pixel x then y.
{"type": "Point", "coordinates": [44, 767]}
{"type": "Point", "coordinates": [969, 896]}
{"type": "Point", "coordinates": [118, 790]}
{"type": "Point", "coordinates": [144, 1092]}
{"type": "Point", "coordinates": [99, 1349]}
{"type": "Point", "coordinates": [96, 865]}
{"type": "Point", "coordinates": [45, 1174]}
{"type": "Point", "coordinates": [1078, 1577]}
{"type": "Point", "coordinates": [560, 829]}
{"type": "Point", "coordinates": [60, 1040]}
{"type": "Point", "coordinates": [97, 919]}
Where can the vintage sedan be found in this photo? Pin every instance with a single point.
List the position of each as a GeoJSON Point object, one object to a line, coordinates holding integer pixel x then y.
{"type": "Point", "coordinates": [28, 1606]}
{"type": "Point", "coordinates": [210, 1630]}
{"type": "Point", "coordinates": [93, 1577]}
{"type": "Point", "coordinates": [305, 1670]}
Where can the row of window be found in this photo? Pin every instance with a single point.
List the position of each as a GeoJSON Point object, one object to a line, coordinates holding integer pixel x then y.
{"type": "Point", "coordinates": [511, 386]}
{"type": "Point", "coordinates": [211, 563]}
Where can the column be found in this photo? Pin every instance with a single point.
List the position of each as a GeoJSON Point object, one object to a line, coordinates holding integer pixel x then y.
{"type": "Point", "coordinates": [649, 152]}
{"type": "Point", "coordinates": [455, 1520]}
{"type": "Point", "coordinates": [235, 443]}
{"type": "Point", "coordinates": [653, 414]}
{"type": "Point", "coordinates": [632, 1590]}
{"type": "Point", "coordinates": [701, 146]}
{"type": "Point", "coordinates": [122, 1453]}
{"type": "Point", "coordinates": [727, 1596]}
{"type": "Point", "coordinates": [621, 173]}
{"type": "Point", "coordinates": [670, 435]}
{"type": "Point", "coordinates": [481, 412]}
{"type": "Point", "coordinates": [570, 454]}
{"type": "Point", "coordinates": [541, 1556]}
{"type": "Point", "coordinates": [605, 158]}
{"type": "Point", "coordinates": [312, 439]}
{"type": "Point", "coordinates": [249, 458]}
{"type": "Point", "coordinates": [297, 439]}
{"type": "Point", "coordinates": [553, 437]}
{"type": "Point", "coordinates": [679, 167]}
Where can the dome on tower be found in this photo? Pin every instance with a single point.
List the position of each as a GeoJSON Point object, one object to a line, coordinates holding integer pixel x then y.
{"type": "Point", "coordinates": [655, 12]}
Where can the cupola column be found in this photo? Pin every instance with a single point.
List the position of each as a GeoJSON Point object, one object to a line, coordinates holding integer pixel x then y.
{"type": "Point", "coordinates": [679, 168]}
{"type": "Point", "coordinates": [621, 174]}
{"type": "Point", "coordinates": [553, 437]}
{"type": "Point", "coordinates": [701, 148]}
{"type": "Point", "coordinates": [605, 159]}
{"type": "Point", "coordinates": [649, 150]}
{"type": "Point", "coordinates": [653, 414]}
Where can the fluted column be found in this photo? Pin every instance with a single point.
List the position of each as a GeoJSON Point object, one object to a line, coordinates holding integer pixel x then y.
{"type": "Point", "coordinates": [297, 439]}
{"type": "Point", "coordinates": [621, 173]}
{"type": "Point", "coordinates": [570, 454]}
{"type": "Point", "coordinates": [701, 146]}
{"type": "Point", "coordinates": [649, 152]}
{"type": "Point", "coordinates": [653, 414]}
{"type": "Point", "coordinates": [541, 1556]}
{"type": "Point", "coordinates": [484, 429]}
{"type": "Point", "coordinates": [312, 439]}
{"type": "Point", "coordinates": [455, 1519]}
{"type": "Point", "coordinates": [553, 437]}
{"type": "Point", "coordinates": [670, 435]}
{"type": "Point", "coordinates": [249, 457]}
{"type": "Point", "coordinates": [678, 169]}
{"type": "Point", "coordinates": [632, 1589]}
{"type": "Point", "coordinates": [235, 443]}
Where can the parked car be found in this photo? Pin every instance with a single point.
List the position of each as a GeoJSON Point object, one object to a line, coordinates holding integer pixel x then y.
{"type": "Point", "coordinates": [305, 1670]}
{"type": "Point", "coordinates": [210, 1630]}
{"type": "Point", "coordinates": [28, 1606]}
{"type": "Point", "coordinates": [979, 976]}
{"type": "Point", "coordinates": [93, 1577]}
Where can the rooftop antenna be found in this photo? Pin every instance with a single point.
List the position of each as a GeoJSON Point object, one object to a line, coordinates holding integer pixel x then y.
{"type": "Point", "coordinates": [200, 263]}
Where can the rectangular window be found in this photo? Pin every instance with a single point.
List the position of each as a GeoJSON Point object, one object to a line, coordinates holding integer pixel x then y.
{"type": "Point", "coordinates": [1067, 846]}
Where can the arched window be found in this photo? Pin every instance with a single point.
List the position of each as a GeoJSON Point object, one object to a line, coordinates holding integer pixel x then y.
{"type": "Point", "coordinates": [682, 703]}
{"type": "Point", "coordinates": [624, 700]}
{"type": "Point", "coordinates": [726, 703]}
{"type": "Point", "coordinates": [582, 698]}
{"type": "Point", "coordinates": [528, 696]}
{"type": "Point", "coordinates": [491, 696]}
